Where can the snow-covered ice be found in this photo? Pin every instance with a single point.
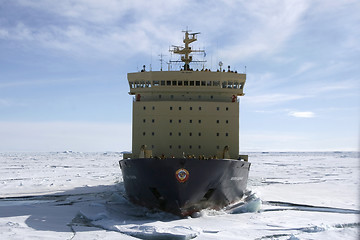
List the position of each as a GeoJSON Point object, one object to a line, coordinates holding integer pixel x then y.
{"type": "Point", "coordinates": [81, 196]}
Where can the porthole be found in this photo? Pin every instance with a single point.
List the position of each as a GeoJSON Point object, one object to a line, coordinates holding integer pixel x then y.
{"type": "Point", "coordinates": [170, 133]}
{"type": "Point", "coordinates": [144, 133]}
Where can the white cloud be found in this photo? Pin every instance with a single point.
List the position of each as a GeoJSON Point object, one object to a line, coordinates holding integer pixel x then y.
{"type": "Point", "coordinates": [127, 27]}
{"type": "Point", "coordinates": [274, 23]}
{"type": "Point", "coordinates": [302, 114]}
{"type": "Point", "coordinates": [270, 99]}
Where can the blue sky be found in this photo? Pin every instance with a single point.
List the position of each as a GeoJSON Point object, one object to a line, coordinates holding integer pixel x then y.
{"type": "Point", "coordinates": [63, 68]}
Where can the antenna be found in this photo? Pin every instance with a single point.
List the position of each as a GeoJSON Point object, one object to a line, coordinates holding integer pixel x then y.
{"type": "Point", "coordinates": [185, 51]}
{"type": "Point", "coordinates": [220, 65]}
{"type": "Point", "coordinates": [161, 60]}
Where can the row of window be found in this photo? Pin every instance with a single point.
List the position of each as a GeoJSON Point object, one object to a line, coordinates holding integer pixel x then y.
{"type": "Point", "coordinates": [186, 83]}
{"type": "Point", "coordinates": [190, 121]}
{"type": "Point", "coordinates": [191, 108]}
{"type": "Point", "coordinates": [172, 96]}
{"type": "Point", "coordinates": [190, 134]}
{"type": "Point", "coordinates": [180, 146]}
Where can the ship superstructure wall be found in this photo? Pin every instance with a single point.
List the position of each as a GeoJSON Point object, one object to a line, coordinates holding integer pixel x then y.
{"type": "Point", "coordinates": [181, 128]}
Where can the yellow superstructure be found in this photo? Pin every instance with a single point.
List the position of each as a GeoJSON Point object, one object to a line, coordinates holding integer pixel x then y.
{"type": "Point", "coordinates": [186, 113]}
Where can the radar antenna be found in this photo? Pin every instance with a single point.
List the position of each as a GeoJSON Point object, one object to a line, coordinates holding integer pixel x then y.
{"type": "Point", "coordinates": [186, 51]}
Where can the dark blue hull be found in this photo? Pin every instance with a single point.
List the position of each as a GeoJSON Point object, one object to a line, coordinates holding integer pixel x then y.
{"type": "Point", "coordinates": [183, 186]}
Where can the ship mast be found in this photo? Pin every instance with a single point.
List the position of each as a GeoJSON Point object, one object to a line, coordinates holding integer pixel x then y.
{"type": "Point", "coordinates": [186, 51]}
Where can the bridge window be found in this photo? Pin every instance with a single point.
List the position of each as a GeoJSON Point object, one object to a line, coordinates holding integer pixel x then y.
{"type": "Point", "coordinates": [155, 83]}
{"type": "Point", "coordinates": [203, 83]}
{"type": "Point", "coordinates": [162, 83]}
{"type": "Point", "coordinates": [208, 83]}
{"type": "Point", "coordinates": [174, 83]}
{"type": "Point", "coordinates": [168, 83]}
{"type": "Point", "coordinates": [180, 83]}
{"type": "Point", "coordinates": [191, 83]}
{"type": "Point", "coordinates": [216, 83]}
{"type": "Point", "coordinates": [197, 83]}
{"type": "Point", "coordinates": [186, 83]}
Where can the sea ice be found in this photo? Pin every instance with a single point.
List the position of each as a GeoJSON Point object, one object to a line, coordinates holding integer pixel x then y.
{"type": "Point", "coordinates": [71, 195]}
